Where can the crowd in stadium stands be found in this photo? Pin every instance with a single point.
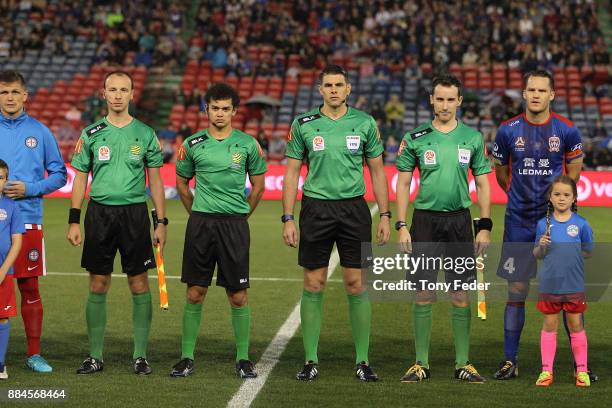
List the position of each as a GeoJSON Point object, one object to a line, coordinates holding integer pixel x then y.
{"type": "Point", "coordinates": [393, 43]}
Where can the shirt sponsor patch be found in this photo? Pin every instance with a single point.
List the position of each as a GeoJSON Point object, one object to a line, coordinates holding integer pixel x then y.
{"type": "Point", "coordinates": [79, 146]}
{"type": "Point", "coordinates": [429, 157]}
{"type": "Point", "coordinates": [104, 153]}
{"type": "Point", "coordinates": [318, 143]}
{"type": "Point", "coordinates": [352, 143]}
{"type": "Point", "coordinates": [31, 142]}
{"type": "Point", "coordinates": [421, 133]}
{"type": "Point", "coordinates": [3, 214]}
{"type": "Point", "coordinates": [464, 156]}
{"type": "Point", "coordinates": [554, 143]}
{"type": "Point", "coordinates": [572, 230]}
{"type": "Point", "coordinates": [96, 128]}
{"type": "Point", "coordinates": [197, 140]}
{"type": "Point", "coordinates": [309, 118]}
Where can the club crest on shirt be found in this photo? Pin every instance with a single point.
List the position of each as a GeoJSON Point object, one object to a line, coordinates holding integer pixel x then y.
{"type": "Point", "coordinates": [554, 143]}
{"type": "Point", "coordinates": [33, 255]}
{"type": "Point", "coordinates": [352, 143]}
{"type": "Point", "coordinates": [318, 143]}
{"type": "Point", "coordinates": [430, 157]}
{"type": "Point", "coordinates": [103, 153]}
{"type": "Point", "coordinates": [3, 214]}
{"type": "Point", "coordinates": [519, 144]}
{"type": "Point", "coordinates": [31, 142]}
{"type": "Point", "coordinates": [572, 230]}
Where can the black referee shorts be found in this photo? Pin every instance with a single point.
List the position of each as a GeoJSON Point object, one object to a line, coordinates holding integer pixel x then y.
{"type": "Point", "coordinates": [221, 240]}
{"type": "Point", "coordinates": [444, 240]}
{"type": "Point", "coordinates": [109, 228]}
{"type": "Point", "coordinates": [348, 223]}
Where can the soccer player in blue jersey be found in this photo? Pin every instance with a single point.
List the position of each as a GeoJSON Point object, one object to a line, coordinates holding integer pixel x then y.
{"type": "Point", "coordinates": [30, 150]}
{"type": "Point", "coordinates": [563, 238]}
{"type": "Point", "coordinates": [530, 151]}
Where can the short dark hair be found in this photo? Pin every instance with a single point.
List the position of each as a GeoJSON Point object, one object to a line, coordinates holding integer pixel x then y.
{"type": "Point", "coordinates": [4, 166]}
{"type": "Point", "coordinates": [446, 80]}
{"type": "Point", "coordinates": [333, 69]}
{"type": "Point", "coordinates": [8, 76]}
{"type": "Point", "coordinates": [119, 73]}
{"type": "Point", "coordinates": [539, 73]}
{"type": "Point", "coordinates": [220, 92]}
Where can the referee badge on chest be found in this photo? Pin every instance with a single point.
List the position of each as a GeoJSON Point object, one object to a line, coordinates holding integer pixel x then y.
{"type": "Point", "coordinates": [318, 143]}
{"type": "Point", "coordinates": [464, 156]}
{"type": "Point", "coordinates": [103, 153]}
{"type": "Point", "coordinates": [352, 143]}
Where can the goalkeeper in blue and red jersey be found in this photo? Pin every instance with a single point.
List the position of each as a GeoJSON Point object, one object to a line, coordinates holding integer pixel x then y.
{"type": "Point", "coordinates": [530, 151]}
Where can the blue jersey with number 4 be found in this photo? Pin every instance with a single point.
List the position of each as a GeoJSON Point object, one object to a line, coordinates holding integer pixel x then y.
{"type": "Point", "coordinates": [562, 269]}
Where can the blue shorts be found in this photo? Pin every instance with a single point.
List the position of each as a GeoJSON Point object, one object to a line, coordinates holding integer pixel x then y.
{"type": "Point", "coordinates": [517, 263]}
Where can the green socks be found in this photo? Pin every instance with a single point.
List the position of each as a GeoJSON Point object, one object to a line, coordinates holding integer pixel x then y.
{"type": "Point", "coordinates": [311, 314]}
{"type": "Point", "coordinates": [461, 318]}
{"type": "Point", "coordinates": [360, 315]}
{"type": "Point", "coordinates": [241, 322]}
{"type": "Point", "coordinates": [142, 312]}
{"type": "Point", "coordinates": [422, 320]}
{"type": "Point", "coordinates": [192, 314]}
{"type": "Point", "coordinates": [95, 315]}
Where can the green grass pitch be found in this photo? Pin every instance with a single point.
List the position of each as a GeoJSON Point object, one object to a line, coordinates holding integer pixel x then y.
{"type": "Point", "coordinates": [214, 383]}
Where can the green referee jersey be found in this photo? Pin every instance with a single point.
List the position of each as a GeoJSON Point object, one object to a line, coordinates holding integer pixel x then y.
{"type": "Point", "coordinates": [334, 151]}
{"type": "Point", "coordinates": [220, 168]}
{"type": "Point", "coordinates": [117, 158]}
{"type": "Point", "coordinates": [443, 160]}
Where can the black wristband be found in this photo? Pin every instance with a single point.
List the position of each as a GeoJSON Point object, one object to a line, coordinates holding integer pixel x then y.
{"type": "Point", "coordinates": [485, 224]}
{"type": "Point", "coordinates": [386, 214]}
{"type": "Point", "coordinates": [74, 216]}
{"type": "Point", "coordinates": [400, 224]}
{"type": "Point", "coordinates": [286, 217]}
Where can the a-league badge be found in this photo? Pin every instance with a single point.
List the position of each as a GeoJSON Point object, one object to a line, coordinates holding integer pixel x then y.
{"type": "Point", "coordinates": [352, 143]}
{"type": "Point", "coordinates": [430, 157]}
{"type": "Point", "coordinates": [103, 153]}
{"type": "Point", "coordinates": [318, 143]}
{"type": "Point", "coordinates": [31, 142]}
{"type": "Point", "coordinates": [572, 230]}
{"type": "Point", "coordinates": [3, 214]}
{"type": "Point", "coordinates": [554, 143]}
{"type": "Point", "coordinates": [33, 255]}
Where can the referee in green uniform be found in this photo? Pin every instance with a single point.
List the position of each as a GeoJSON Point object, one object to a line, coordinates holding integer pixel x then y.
{"type": "Point", "coordinates": [335, 140]}
{"type": "Point", "coordinates": [443, 150]}
{"type": "Point", "coordinates": [217, 233]}
{"type": "Point", "coordinates": [117, 150]}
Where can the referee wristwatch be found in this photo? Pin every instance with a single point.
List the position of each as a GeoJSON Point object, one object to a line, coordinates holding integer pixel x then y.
{"type": "Point", "coordinates": [400, 224]}
{"type": "Point", "coordinates": [286, 217]}
{"type": "Point", "coordinates": [163, 221]}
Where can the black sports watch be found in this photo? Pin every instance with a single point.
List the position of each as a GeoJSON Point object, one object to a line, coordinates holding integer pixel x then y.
{"type": "Point", "coordinates": [163, 221]}
{"type": "Point", "coordinates": [400, 224]}
{"type": "Point", "coordinates": [385, 214]}
{"type": "Point", "coordinates": [286, 217]}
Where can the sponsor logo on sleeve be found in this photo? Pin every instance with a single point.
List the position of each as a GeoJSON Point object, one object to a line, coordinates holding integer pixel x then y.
{"type": "Point", "coordinates": [309, 118]}
{"type": "Point", "coordinates": [104, 153]}
{"type": "Point", "coordinates": [197, 140]}
{"type": "Point", "coordinates": [79, 146]}
{"type": "Point", "coordinates": [420, 133]}
{"type": "Point", "coordinates": [318, 143]}
{"type": "Point", "coordinates": [96, 128]}
{"type": "Point", "coordinates": [554, 143]}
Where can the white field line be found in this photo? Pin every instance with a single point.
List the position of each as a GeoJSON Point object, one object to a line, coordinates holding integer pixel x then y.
{"type": "Point", "coordinates": [247, 393]}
